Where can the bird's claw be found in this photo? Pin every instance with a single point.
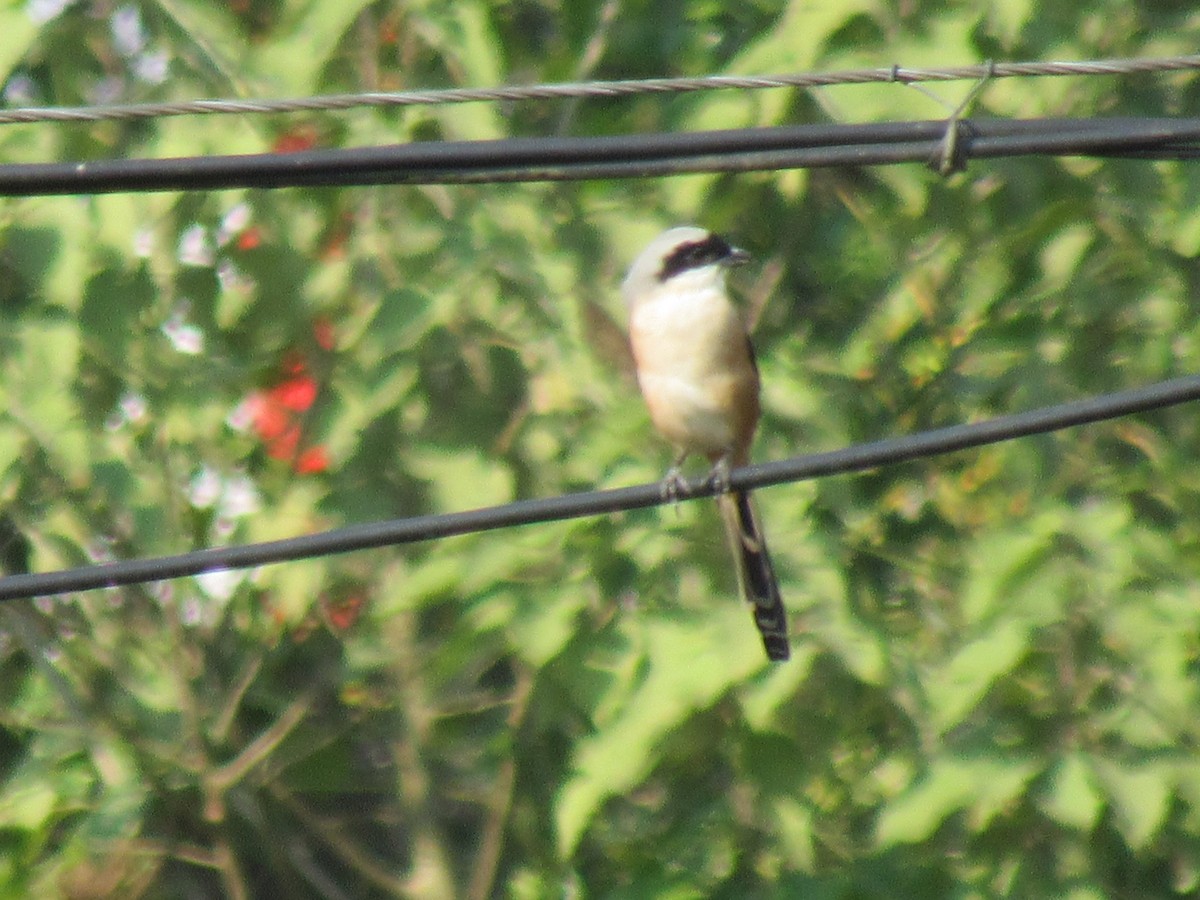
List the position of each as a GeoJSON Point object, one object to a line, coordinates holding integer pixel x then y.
{"type": "Point", "coordinates": [718, 478]}
{"type": "Point", "coordinates": [674, 485]}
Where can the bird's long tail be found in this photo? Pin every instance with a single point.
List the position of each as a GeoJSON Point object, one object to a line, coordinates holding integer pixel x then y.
{"type": "Point", "coordinates": [756, 574]}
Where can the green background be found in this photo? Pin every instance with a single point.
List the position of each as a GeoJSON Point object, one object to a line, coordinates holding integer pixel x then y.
{"type": "Point", "coordinates": [996, 653]}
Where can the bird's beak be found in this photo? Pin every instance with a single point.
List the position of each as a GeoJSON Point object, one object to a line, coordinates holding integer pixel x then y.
{"type": "Point", "coordinates": [737, 256]}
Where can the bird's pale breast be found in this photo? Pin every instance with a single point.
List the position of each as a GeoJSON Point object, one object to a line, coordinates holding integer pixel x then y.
{"type": "Point", "coordinates": [695, 369]}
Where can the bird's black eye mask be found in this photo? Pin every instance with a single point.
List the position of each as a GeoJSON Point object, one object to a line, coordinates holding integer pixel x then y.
{"type": "Point", "coordinates": [694, 255]}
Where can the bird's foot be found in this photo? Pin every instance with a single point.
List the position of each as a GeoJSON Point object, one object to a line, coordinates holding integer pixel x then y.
{"type": "Point", "coordinates": [674, 485]}
{"type": "Point", "coordinates": [718, 478]}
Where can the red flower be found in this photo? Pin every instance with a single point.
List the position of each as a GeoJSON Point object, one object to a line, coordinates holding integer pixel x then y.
{"type": "Point", "coordinates": [276, 413]}
{"type": "Point", "coordinates": [303, 137]}
{"type": "Point", "coordinates": [311, 461]}
{"type": "Point", "coordinates": [343, 612]}
{"type": "Point", "coordinates": [249, 239]}
{"type": "Point", "coordinates": [270, 419]}
{"type": "Point", "coordinates": [284, 446]}
{"type": "Point", "coordinates": [296, 394]}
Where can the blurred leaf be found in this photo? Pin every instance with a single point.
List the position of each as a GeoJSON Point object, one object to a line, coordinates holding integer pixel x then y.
{"type": "Point", "coordinates": [1074, 797]}
{"type": "Point", "coordinates": [687, 668]}
{"type": "Point", "coordinates": [1064, 253]}
{"type": "Point", "coordinates": [304, 44]}
{"type": "Point", "coordinates": [981, 785]}
{"type": "Point", "coordinates": [464, 481]}
{"type": "Point", "coordinates": [797, 834]}
{"type": "Point", "coordinates": [12, 443]}
{"type": "Point", "coordinates": [858, 649]}
{"type": "Point", "coordinates": [218, 42]}
{"type": "Point", "coordinates": [1140, 795]}
{"type": "Point", "coordinates": [796, 41]}
{"type": "Point", "coordinates": [112, 314]}
{"type": "Point", "coordinates": [541, 630]}
{"type": "Point", "coordinates": [42, 401]}
{"type": "Point", "coordinates": [1003, 562]}
{"type": "Point", "coordinates": [1010, 19]}
{"type": "Point", "coordinates": [956, 688]}
{"type": "Point", "coordinates": [19, 32]}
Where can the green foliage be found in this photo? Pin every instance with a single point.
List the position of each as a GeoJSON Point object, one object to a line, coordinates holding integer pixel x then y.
{"type": "Point", "coordinates": [994, 687]}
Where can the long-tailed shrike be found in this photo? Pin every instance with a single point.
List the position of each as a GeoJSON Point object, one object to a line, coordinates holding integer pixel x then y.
{"type": "Point", "coordinates": [696, 369]}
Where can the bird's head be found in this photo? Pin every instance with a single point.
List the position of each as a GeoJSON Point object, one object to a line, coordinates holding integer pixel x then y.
{"type": "Point", "coordinates": [683, 252]}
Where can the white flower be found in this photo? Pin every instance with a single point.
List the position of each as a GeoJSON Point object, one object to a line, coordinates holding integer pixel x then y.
{"type": "Point", "coordinates": [143, 243]}
{"type": "Point", "coordinates": [195, 248]}
{"type": "Point", "coordinates": [107, 90]}
{"type": "Point", "coordinates": [42, 11]}
{"type": "Point", "coordinates": [163, 592]}
{"type": "Point", "coordinates": [152, 67]}
{"type": "Point", "coordinates": [232, 224]}
{"type": "Point", "coordinates": [221, 584]}
{"type": "Point", "coordinates": [184, 337]}
{"type": "Point", "coordinates": [129, 37]}
{"type": "Point", "coordinates": [205, 488]}
{"type": "Point", "coordinates": [21, 90]}
{"type": "Point", "coordinates": [133, 407]}
{"type": "Point", "coordinates": [242, 416]}
{"type": "Point", "coordinates": [231, 279]}
{"type": "Point", "coordinates": [192, 612]}
{"type": "Point", "coordinates": [187, 339]}
{"type": "Point", "coordinates": [239, 498]}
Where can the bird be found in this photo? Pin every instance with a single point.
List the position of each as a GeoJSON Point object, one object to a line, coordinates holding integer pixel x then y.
{"type": "Point", "coordinates": [699, 377]}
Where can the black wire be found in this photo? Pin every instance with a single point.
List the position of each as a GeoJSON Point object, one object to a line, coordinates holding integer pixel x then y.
{"type": "Point", "coordinates": [524, 512]}
{"type": "Point", "coordinates": [561, 159]}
